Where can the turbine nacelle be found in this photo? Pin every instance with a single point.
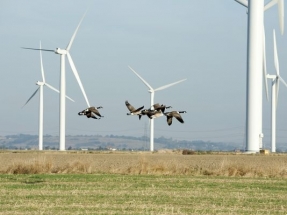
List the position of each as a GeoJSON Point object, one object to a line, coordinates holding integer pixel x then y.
{"type": "Point", "coordinates": [40, 83]}
{"type": "Point", "coordinates": [61, 51]}
{"type": "Point", "coordinates": [271, 76]}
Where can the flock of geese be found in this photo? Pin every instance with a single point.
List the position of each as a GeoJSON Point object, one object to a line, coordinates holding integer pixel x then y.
{"type": "Point", "coordinates": [155, 111]}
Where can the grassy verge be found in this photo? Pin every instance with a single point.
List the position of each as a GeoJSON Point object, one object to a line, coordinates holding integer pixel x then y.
{"type": "Point", "coordinates": [140, 194]}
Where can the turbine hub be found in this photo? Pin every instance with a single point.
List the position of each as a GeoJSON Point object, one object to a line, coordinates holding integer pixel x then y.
{"type": "Point", "coordinates": [271, 76]}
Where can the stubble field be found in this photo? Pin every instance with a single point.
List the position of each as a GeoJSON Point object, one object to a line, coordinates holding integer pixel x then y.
{"type": "Point", "coordinates": [142, 183]}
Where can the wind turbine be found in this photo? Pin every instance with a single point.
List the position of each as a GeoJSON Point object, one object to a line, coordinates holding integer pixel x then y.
{"type": "Point", "coordinates": [255, 65]}
{"type": "Point", "coordinates": [63, 53]}
{"type": "Point", "coordinates": [152, 92]}
{"type": "Point", "coordinates": [275, 90]}
{"type": "Point", "coordinates": [41, 84]}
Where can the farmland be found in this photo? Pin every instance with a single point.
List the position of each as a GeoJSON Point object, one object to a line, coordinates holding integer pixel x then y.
{"type": "Point", "coordinates": [165, 182]}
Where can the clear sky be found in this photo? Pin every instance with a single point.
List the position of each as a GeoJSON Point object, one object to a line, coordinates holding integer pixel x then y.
{"type": "Point", "coordinates": [164, 41]}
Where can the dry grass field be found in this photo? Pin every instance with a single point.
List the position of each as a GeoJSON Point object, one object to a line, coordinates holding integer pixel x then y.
{"type": "Point", "coordinates": [159, 163]}
{"type": "Point", "coordinates": [141, 183]}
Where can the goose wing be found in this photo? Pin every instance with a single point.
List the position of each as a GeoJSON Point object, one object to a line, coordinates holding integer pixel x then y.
{"type": "Point", "coordinates": [90, 115]}
{"type": "Point", "coordinates": [95, 111]}
{"type": "Point", "coordinates": [151, 112]}
{"type": "Point", "coordinates": [145, 112]}
{"type": "Point", "coordinates": [139, 109]}
{"type": "Point", "coordinates": [130, 107]}
{"type": "Point", "coordinates": [169, 120]}
{"type": "Point", "coordinates": [178, 117]}
{"type": "Point", "coordinates": [156, 106]}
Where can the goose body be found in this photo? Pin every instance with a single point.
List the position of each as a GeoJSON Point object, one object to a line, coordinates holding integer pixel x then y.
{"type": "Point", "coordinates": [175, 114]}
{"type": "Point", "coordinates": [91, 112]}
{"type": "Point", "coordinates": [132, 110]}
{"type": "Point", "coordinates": [161, 107]}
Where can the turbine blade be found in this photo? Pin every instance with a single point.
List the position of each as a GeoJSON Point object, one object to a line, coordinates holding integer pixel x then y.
{"type": "Point", "coordinates": [141, 79]}
{"type": "Point", "coordinates": [282, 80]}
{"type": "Point", "coordinates": [243, 2]}
{"type": "Point", "coordinates": [264, 66]}
{"type": "Point", "coordinates": [281, 15]}
{"type": "Point", "coordinates": [77, 77]}
{"type": "Point", "coordinates": [74, 35]}
{"type": "Point", "coordinates": [53, 88]}
{"type": "Point", "coordinates": [31, 96]}
{"type": "Point", "coordinates": [47, 50]}
{"type": "Point", "coordinates": [276, 62]}
{"type": "Point", "coordinates": [169, 85]}
{"type": "Point", "coordinates": [70, 98]}
{"type": "Point", "coordinates": [280, 12]}
{"type": "Point", "coordinates": [41, 61]}
{"type": "Point", "coordinates": [270, 4]}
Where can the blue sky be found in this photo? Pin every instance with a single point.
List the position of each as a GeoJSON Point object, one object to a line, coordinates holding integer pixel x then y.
{"type": "Point", "coordinates": [164, 41]}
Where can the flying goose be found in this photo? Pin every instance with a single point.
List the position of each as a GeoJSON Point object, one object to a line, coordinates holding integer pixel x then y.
{"type": "Point", "coordinates": [134, 111]}
{"type": "Point", "coordinates": [162, 107]}
{"type": "Point", "coordinates": [89, 112]}
{"type": "Point", "coordinates": [176, 114]}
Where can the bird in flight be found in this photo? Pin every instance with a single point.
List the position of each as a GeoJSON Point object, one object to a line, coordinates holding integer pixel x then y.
{"type": "Point", "coordinates": [175, 114]}
{"type": "Point", "coordinates": [91, 112]}
{"type": "Point", "coordinates": [134, 111]}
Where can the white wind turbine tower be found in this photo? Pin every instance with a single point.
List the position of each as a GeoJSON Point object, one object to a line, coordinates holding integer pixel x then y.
{"type": "Point", "coordinates": [255, 62]}
{"type": "Point", "coordinates": [275, 90]}
{"type": "Point", "coordinates": [152, 92]}
{"type": "Point", "coordinates": [63, 53]}
{"type": "Point", "coordinates": [41, 84]}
